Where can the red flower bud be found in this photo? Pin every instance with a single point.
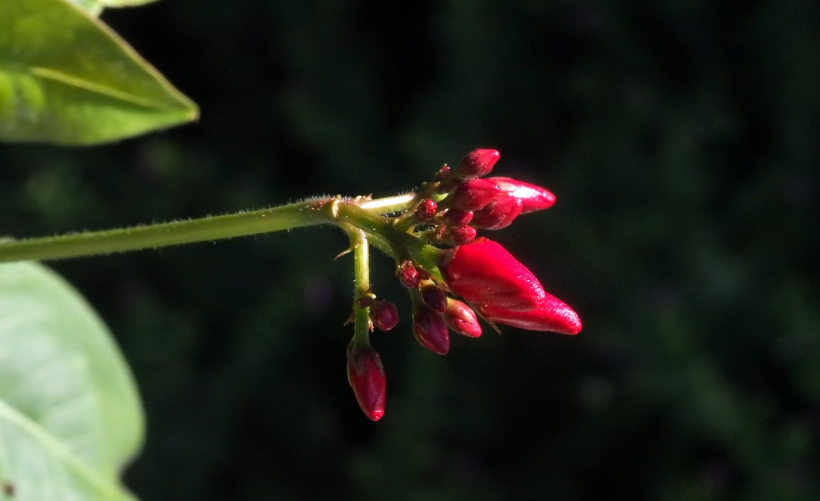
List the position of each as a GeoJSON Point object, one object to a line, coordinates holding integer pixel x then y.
{"type": "Point", "coordinates": [477, 163]}
{"type": "Point", "coordinates": [444, 173]}
{"type": "Point", "coordinates": [425, 210]}
{"type": "Point", "coordinates": [408, 275]}
{"type": "Point", "coordinates": [365, 374]}
{"type": "Point", "coordinates": [533, 197]}
{"type": "Point", "coordinates": [484, 273]}
{"type": "Point", "coordinates": [554, 315]}
{"type": "Point", "coordinates": [430, 330]}
{"type": "Point", "coordinates": [384, 315]}
{"type": "Point", "coordinates": [472, 194]}
{"type": "Point", "coordinates": [461, 235]}
{"type": "Point", "coordinates": [455, 217]}
{"type": "Point", "coordinates": [434, 297]}
{"type": "Point", "coordinates": [462, 319]}
{"type": "Point", "coordinates": [499, 213]}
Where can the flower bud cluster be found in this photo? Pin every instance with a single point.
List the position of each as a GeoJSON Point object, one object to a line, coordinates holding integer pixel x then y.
{"type": "Point", "coordinates": [475, 277]}
{"type": "Point", "coordinates": [471, 202]}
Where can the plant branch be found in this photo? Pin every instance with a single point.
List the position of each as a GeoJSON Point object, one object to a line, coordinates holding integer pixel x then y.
{"type": "Point", "coordinates": [338, 211]}
{"type": "Point", "coordinates": [174, 233]}
{"type": "Point", "coordinates": [361, 280]}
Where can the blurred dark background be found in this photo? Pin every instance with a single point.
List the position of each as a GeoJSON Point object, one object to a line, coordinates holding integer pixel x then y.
{"type": "Point", "coordinates": [681, 139]}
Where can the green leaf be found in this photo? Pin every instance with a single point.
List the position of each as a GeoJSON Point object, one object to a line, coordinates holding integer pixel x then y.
{"type": "Point", "coordinates": [93, 7]}
{"type": "Point", "coordinates": [66, 78]}
{"type": "Point", "coordinates": [70, 416]}
{"type": "Point", "coordinates": [125, 3]}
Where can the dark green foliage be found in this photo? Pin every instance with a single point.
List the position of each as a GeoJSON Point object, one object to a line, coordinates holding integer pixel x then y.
{"type": "Point", "coordinates": [681, 141]}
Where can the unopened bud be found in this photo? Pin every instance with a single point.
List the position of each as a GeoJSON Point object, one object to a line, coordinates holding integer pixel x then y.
{"type": "Point", "coordinates": [533, 197]}
{"type": "Point", "coordinates": [460, 236]}
{"type": "Point", "coordinates": [434, 297]}
{"type": "Point", "coordinates": [477, 163]}
{"type": "Point", "coordinates": [484, 273]}
{"type": "Point", "coordinates": [472, 194]}
{"type": "Point", "coordinates": [456, 217]}
{"type": "Point", "coordinates": [365, 374]}
{"type": "Point", "coordinates": [553, 315]}
{"type": "Point", "coordinates": [444, 173]}
{"type": "Point", "coordinates": [384, 315]}
{"type": "Point", "coordinates": [498, 214]}
{"type": "Point", "coordinates": [430, 330]}
{"type": "Point", "coordinates": [409, 275]}
{"type": "Point", "coordinates": [425, 210]}
{"type": "Point", "coordinates": [462, 319]}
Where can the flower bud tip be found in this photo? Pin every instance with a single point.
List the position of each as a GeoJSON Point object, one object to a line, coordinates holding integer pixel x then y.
{"type": "Point", "coordinates": [477, 163]}
{"type": "Point", "coordinates": [430, 330]}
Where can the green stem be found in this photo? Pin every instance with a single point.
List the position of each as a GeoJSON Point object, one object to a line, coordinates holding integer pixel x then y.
{"type": "Point", "coordinates": [361, 280]}
{"type": "Point", "coordinates": [403, 245]}
{"type": "Point", "coordinates": [337, 211]}
{"type": "Point", "coordinates": [389, 204]}
{"type": "Point", "coordinates": [178, 232]}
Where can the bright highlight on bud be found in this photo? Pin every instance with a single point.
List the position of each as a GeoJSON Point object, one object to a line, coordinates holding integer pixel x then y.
{"type": "Point", "coordinates": [533, 198]}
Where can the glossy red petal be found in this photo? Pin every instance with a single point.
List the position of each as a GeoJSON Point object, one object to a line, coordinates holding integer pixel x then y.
{"type": "Point", "coordinates": [553, 316]}
{"type": "Point", "coordinates": [533, 197]}
{"type": "Point", "coordinates": [484, 273]}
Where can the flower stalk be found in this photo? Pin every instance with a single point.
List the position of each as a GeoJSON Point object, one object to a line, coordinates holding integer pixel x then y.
{"type": "Point", "coordinates": [361, 283]}
{"type": "Point", "coordinates": [430, 233]}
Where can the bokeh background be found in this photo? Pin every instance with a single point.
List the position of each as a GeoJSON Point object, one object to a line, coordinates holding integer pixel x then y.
{"type": "Point", "coordinates": [681, 139]}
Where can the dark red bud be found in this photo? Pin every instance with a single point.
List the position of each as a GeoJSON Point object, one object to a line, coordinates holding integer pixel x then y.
{"type": "Point", "coordinates": [425, 210]}
{"type": "Point", "coordinates": [484, 273]}
{"type": "Point", "coordinates": [430, 330]}
{"type": "Point", "coordinates": [365, 374]}
{"type": "Point", "coordinates": [533, 197]}
{"type": "Point", "coordinates": [409, 275]}
{"type": "Point", "coordinates": [499, 213]}
{"type": "Point", "coordinates": [444, 173]}
{"type": "Point", "coordinates": [462, 319]}
{"type": "Point", "coordinates": [384, 315]}
{"type": "Point", "coordinates": [461, 235]}
{"type": "Point", "coordinates": [472, 194]}
{"type": "Point", "coordinates": [553, 315]}
{"type": "Point", "coordinates": [434, 297]}
{"type": "Point", "coordinates": [477, 163]}
{"type": "Point", "coordinates": [455, 217]}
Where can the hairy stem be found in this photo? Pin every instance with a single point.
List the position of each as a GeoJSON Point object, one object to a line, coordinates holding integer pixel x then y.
{"type": "Point", "coordinates": [361, 280]}
{"type": "Point", "coordinates": [174, 233]}
{"type": "Point", "coordinates": [389, 204]}
{"type": "Point", "coordinates": [376, 227]}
